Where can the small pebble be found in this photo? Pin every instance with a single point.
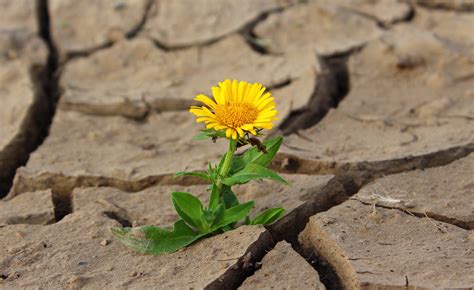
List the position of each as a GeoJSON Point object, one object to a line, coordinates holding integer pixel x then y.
{"type": "Point", "coordinates": [104, 242]}
{"type": "Point", "coordinates": [20, 234]}
{"type": "Point", "coordinates": [133, 274]}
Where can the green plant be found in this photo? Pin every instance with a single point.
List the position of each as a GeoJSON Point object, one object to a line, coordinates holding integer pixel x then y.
{"type": "Point", "coordinates": [224, 211]}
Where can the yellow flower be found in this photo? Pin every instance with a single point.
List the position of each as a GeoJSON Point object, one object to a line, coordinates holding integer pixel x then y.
{"type": "Point", "coordinates": [237, 108]}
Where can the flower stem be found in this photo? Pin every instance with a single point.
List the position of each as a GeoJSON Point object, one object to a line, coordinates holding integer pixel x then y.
{"type": "Point", "coordinates": [224, 171]}
{"type": "Point", "coordinates": [216, 192]}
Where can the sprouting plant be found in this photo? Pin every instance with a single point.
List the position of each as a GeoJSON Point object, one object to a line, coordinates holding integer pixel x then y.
{"type": "Point", "coordinates": [239, 112]}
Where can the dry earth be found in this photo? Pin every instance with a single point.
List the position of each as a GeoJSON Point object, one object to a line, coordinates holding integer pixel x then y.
{"type": "Point", "coordinates": [376, 99]}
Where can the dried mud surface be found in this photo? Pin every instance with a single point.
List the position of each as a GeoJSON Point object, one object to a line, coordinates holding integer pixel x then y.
{"type": "Point", "coordinates": [283, 268]}
{"type": "Point", "coordinates": [80, 252]}
{"type": "Point", "coordinates": [389, 249]}
{"type": "Point", "coordinates": [135, 77]}
{"type": "Point", "coordinates": [375, 98]}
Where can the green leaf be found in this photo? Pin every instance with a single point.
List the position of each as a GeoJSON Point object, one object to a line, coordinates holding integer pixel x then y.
{"type": "Point", "coordinates": [232, 215]}
{"type": "Point", "coordinates": [250, 172]}
{"type": "Point", "coordinates": [154, 240]}
{"type": "Point", "coordinates": [269, 216]}
{"type": "Point", "coordinates": [218, 213]}
{"type": "Point", "coordinates": [213, 214]}
{"type": "Point", "coordinates": [229, 197]}
{"type": "Point", "coordinates": [247, 220]}
{"type": "Point", "coordinates": [201, 175]}
{"type": "Point", "coordinates": [190, 209]}
{"type": "Point", "coordinates": [201, 136]}
{"type": "Point", "coordinates": [227, 228]}
{"type": "Point", "coordinates": [209, 133]}
{"type": "Point", "coordinates": [214, 198]}
{"type": "Point", "coordinates": [254, 156]}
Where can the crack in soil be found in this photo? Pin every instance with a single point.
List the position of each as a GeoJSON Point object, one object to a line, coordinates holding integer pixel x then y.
{"type": "Point", "coordinates": [327, 273]}
{"type": "Point", "coordinates": [128, 35]}
{"type": "Point", "coordinates": [246, 265]}
{"type": "Point", "coordinates": [64, 185]}
{"type": "Point", "coordinates": [135, 31]}
{"type": "Point", "coordinates": [437, 217]}
{"type": "Point", "coordinates": [62, 206]}
{"type": "Point", "coordinates": [466, 7]}
{"type": "Point", "coordinates": [168, 48]}
{"type": "Point", "coordinates": [280, 85]}
{"type": "Point", "coordinates": [386, 25]}
{"type": "Point", "coordinates": [248, 31]}
{"type": "Point", "coordinates": [332, 86]}
{"type": "Point", "coordinates": [122, 219]}
{"type": "Point", "coordinates": [34, 128]}
{"type": "Point", "coordinates": [371, 168]}
{"type": "Point", "coordinates": [349, 178]}
{"type": "Point", "coordinates": [346, 183]}
{"type": "Point", "coordinates": [335, 192]}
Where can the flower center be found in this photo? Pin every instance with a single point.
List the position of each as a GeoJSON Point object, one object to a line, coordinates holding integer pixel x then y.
{"type": "Point", "coordinates": [235, 115]}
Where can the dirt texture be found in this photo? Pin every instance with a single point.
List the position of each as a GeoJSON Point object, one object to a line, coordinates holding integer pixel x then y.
{"type": "Point", "coordinates": [20, 48]}
{"type": "Point", "coordinates": [84, 150]}
{"type": "Point", "coordinates": [83, 26]}
{"type": "Point", "coordinates": [377, 248]}
{"type": "Point", "coordinates": [140, 208]}
{"type": "Point", "coordinates": [211, 19]}
{"type": "Point", "coordinates": [439, 192]}
{"type": "Point", "coordinates": [460, 5]}
{"type": "Point", "coordinates": [431, 112]}
{"type": "Point", "coordinates": [384, 12]}
{"type": "Point", "coordinates": [375, 99]}
{"type": "Point", "coordinates": [40, 209]}
{"type": "Point", "coordinates": [133, 77]}
{"type": "Point", "coordinates": [17, 98]}
{"type": "Point", "coordinates": [73, 254]}
{"type": "Point", "coordinates": [22, 56]}
{"type": "Point", "coordinates": [448, 26]}
{"type": "Point", "coordinates": [326, 29]}
{"type": "Point", "coordinates": [283, 268]}
{"type": "Point", "coordinates": [18, 36]}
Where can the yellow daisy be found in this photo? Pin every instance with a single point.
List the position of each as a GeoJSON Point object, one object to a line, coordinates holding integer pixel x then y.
{"type": "Point", "coordinates": [237, 108]}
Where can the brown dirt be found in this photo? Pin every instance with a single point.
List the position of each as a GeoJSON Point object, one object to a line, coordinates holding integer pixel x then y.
{"type": "Point", "coordinates": [283, 268]}
{"type": "Point", "coordinates": [376, 98]}
{"type": "Point", "coordinates": [83, 26]}
{"type": "Point", "coordinates": [39, 209]}
{"type": "Point", "coordinates": [372, 247]}
{"type": "Point", "coordinates": [326, 29]}
{"type": "Point", "coordinates": [211, 19]}
{"type": "Point", "coordinates": [439, 192]}
{"type": "Point", "coordinates": [150, 79]}
{"type": "Point", "coordinates": [71, 254]}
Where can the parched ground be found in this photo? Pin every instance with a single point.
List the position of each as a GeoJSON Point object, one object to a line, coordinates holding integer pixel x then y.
{"type": "Point", "coordinates": [376, 100]}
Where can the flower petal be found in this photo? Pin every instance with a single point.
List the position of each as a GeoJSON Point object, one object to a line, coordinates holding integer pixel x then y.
{"type": "Point", "coordinates": [198, 112]}
{"type": "Point", "coordinates": [264, 125]}
{"type": "Point", "coordinates": [228, 133]}
{"type": "Point", "coordinates": [267, 114]}
{"type": "Point", "coordinates": [206, 100]}
{"type": "Point", "coordinates": [241, 90]}
{"type": "Point", "coordinates": [240, 131]}
{"type": "Point", "coordinates": [237, 107]}
{"type": "Point", "coordinates": [216, 93]}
